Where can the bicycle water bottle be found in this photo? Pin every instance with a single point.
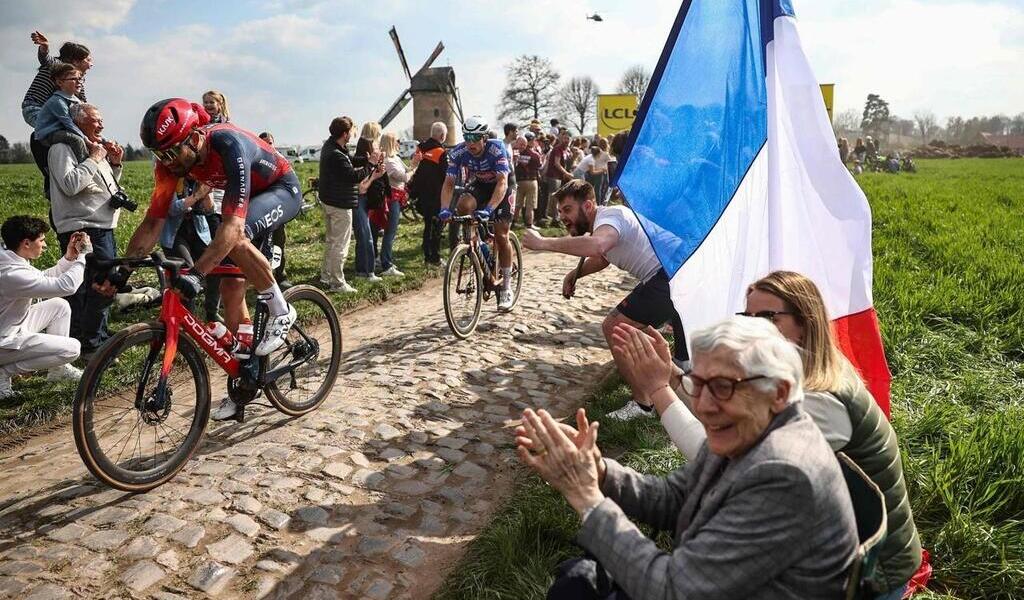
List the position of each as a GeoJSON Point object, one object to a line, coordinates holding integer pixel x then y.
{"type": "Point", "coordinates": [222, 334]}
{"type": "Point", "coordinates": [243, 340]}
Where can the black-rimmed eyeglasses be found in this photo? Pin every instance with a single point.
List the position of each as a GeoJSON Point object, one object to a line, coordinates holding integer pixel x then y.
{"type": "Point", "coordinates": [768, 314]}
{"type": "Point", "coordinates": [722, 388]}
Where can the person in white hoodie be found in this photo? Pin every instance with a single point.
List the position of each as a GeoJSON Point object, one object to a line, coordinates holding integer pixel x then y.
{"type": "Point", "coordinates": [35, 336]}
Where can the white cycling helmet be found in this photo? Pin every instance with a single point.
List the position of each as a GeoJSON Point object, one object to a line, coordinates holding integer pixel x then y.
{"type": "Point", "coordinates": [475, 125]}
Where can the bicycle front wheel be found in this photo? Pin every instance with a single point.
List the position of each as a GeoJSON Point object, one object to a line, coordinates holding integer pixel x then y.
{"type": "Point", "coordinates": [517, 267]}
{"type": "Point", "coordinates": [132, 433]}
{"type": "Point", "coordinates": [311, 354]}
{"type": "Point", "coordinates": [463, 291]}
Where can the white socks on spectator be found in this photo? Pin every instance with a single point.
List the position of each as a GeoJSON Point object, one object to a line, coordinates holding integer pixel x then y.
{"type": "Point", "coordinates": [275, 300]}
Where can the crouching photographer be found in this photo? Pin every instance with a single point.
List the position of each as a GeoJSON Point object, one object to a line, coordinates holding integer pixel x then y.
{"type": "Point", "coordinates": [86, 196]}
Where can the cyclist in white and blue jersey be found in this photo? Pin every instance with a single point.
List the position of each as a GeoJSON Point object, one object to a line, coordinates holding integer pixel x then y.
{"type": "Point", "coordinates": [487, 192]}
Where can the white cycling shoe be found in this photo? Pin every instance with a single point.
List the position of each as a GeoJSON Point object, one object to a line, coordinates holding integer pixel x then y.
{"type": "Point", "coordinates": [225, 411]}
{"type": "Point", "coordinates": [505, 300]}
{"type": "Point", "coordinates": [276, 331]}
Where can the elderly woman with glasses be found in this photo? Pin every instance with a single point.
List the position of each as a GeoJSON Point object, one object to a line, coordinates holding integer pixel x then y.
{"type": "Point", "coordinates": [761, 512]}
{"type": "Point", "coordinates": [834, 397]}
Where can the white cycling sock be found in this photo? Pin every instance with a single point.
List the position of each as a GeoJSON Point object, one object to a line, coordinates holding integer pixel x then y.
{"type": "Point", "coordinates": [506, 278]}
{"type": "Point", "coordinates": [275, 300]}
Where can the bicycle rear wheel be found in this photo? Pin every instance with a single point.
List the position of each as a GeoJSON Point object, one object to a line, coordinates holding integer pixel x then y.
{"type": "Point", "coordinates": [463, 291]}
{"type": "Point", "coordinates": [314, 346]}
{"type": "Point", "coordinates": [131, 434]}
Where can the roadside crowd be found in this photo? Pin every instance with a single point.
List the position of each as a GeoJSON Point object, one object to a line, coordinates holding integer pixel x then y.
{"type": "Point", "coordinates": [762, 507]}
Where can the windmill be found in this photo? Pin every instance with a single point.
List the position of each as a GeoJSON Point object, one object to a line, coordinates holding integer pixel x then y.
{"type": "Point", "coordinates": [433, 94]}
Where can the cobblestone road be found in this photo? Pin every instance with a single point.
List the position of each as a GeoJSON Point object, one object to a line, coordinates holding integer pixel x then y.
{"type": "Point", "coordinates": [375, 495]}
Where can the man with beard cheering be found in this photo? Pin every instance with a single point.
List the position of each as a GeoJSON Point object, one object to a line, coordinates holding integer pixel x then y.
{"type": "Point", "coordinates": [618, 239]}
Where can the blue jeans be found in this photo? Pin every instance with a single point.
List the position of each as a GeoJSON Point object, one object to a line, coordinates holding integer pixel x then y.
{"type": "Point", "coordinates": [386, 246]}
{"type": "Point", "coordinates": [895, 594]}
{"type": "Point", "coordinates": [29, 113]}
{"type": "Point", "coordinates": [364, 239]}
{"type": "Point", "coordinates": [89, 309]}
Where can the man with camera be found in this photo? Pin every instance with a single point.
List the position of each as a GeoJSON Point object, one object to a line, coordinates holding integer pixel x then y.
{"type": "Point", "coordinates": [85, 196]}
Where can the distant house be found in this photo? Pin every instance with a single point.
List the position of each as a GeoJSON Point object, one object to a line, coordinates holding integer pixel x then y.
{"type": "Point", "coordinates": [1013, 142]}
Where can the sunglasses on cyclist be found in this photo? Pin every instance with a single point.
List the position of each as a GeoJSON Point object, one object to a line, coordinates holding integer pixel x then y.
{"type": "Point", "coordinates": [768, 314]}
{"type": "Point", "coordinates": [473, 137]}
{"type": "Point", "coordinates": [171, 154]}
{"type": "Point", "coordinates": [722, 388]}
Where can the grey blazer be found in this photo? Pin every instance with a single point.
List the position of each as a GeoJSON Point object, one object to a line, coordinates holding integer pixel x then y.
{"type": "Point", "coordinates": [776, 523]}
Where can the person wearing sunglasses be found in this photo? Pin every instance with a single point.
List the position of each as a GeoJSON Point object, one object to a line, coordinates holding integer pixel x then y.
{"type": "Point", "coordinates": [261, 194]}
{"type": "Point", "coordinates": [834, 396]}
{"type": "Point", "coordinates": [488, 194]}
{"type": "Point", "coordinates": [762, 511]}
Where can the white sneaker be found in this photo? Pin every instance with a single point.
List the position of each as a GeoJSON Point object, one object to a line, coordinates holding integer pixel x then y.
{"type": "Point", "coordinates": [63, 373]}
{"type": "Point", "coordinates": [6, 389]}
{"type": "Point", "coordinates": [505, 300]}
{"type": "Point", "coordinates": [534, 227]}
{"type": "Point", "coordinates": [225, 411]}
{"type": "Point", "coordinates": [342, 287]}
{"type": "Point", "coordinates": [371, 277]}
{"type": "Point", "coordinates": [276, 332]}
{"type": "Point", "coordinates": [631, 410]}
{"type": "Point", "coordinates": [392, 271]}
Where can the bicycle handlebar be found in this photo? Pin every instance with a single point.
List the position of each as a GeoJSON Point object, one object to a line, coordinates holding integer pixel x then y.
{"type": "Point", "coordinates": [470, 217]}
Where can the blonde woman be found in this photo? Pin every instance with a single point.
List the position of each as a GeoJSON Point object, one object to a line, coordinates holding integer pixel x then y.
{"type": "Point", "coordinates": [366, 156]}
{"type": "Point", "coordinates": [217, 106]}
{"type": "Point", "coordinates": [397, 178]}
{"type": "Point", "coordinates": [834, 397]}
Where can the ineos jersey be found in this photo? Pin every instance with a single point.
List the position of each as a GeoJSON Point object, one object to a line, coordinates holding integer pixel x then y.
{"type": "Point", "coordinates": [238, 162]}
{"type": "Point", "coordinates": [484, 168]}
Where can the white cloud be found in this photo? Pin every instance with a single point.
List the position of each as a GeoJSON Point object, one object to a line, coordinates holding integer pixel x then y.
{"type": "Point", "coordinates": [289, 66]}
{"type": "Point", "coordinates": [953, 58]}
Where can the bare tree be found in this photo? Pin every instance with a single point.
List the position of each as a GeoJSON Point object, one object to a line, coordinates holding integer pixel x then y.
{"type": "Point", "coordinates": [848, 120]}
{"type": "Point", "coordinates": [926, 124]}
{"type": "Point", "coordinates": [530, 90]}
{"type": "Point", "coordinates": [635, 81]}
{"type": "Point", "coordinates": [579, 99]}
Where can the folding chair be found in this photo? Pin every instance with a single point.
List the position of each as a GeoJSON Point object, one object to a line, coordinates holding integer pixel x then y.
{"type": "Point", "coordinates": [869, 510]}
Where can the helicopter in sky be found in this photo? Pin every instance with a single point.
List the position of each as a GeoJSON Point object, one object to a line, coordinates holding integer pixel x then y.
{"type": "Point", "coordinates": [595, 17]}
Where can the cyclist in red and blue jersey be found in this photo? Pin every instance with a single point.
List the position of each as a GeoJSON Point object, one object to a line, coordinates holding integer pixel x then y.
{"type": "Point", "coordinates": [261, 194]}
{"type": "Point", "coordinates": [487, 193]}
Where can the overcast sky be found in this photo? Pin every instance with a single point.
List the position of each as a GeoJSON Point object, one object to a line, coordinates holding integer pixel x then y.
{"type": "Point", "coordinates": [289, 66]}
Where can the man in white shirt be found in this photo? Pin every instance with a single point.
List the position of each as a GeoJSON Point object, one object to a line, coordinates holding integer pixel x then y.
{"type": "Point", "coordinates": [35, 336]}
{"type": "Point", "coordinates": [616, 238]}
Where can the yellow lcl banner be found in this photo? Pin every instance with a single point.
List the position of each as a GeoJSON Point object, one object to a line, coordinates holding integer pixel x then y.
{"type": "Point", "coordinates": [615, 113]}
{"type": "Point", "coordinates": [828, 93]}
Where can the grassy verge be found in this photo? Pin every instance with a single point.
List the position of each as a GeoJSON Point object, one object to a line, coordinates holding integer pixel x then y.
{"type": "Point", "coordinates": [949, 289]}
{"type": "Point", "coordinates": [20, 193]}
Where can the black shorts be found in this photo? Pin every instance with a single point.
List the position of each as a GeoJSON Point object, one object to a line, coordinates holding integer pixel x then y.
{"type": "Point", "coordinates": [271, 209]}
{"type": "Point", "coordinates": [483, 192]}
{"type": "Point", "coordinates": [650, 303]}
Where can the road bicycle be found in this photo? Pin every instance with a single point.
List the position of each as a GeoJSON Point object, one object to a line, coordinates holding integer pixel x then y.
{"type": "Point", "coordinates": [471, 276]}
{"type": "Point", "coordinates": [310, 197]}
{"type": "Point", "coordinates": [143, 403]}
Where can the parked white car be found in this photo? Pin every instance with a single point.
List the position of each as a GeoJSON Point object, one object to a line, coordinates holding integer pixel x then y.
{"type": "Point", "coordinates": [291, 153]}
{"type": "Point", "coordinates": [406, 148]}
{"type": "Point", "coordinates": [311, 154]}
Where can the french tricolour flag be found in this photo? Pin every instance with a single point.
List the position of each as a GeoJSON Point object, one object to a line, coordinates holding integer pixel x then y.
{"type": "Point", "coordinates": [733, 170]}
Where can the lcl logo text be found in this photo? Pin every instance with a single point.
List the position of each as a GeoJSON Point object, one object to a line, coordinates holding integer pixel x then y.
{"type": "Point", "coordinates": [619, 113]}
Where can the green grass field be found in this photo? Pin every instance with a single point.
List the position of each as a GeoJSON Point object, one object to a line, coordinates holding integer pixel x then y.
{"type": "Point", "coordinates": [21, 193]}
{"type": "Point", "coordinates": [949, 290]}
